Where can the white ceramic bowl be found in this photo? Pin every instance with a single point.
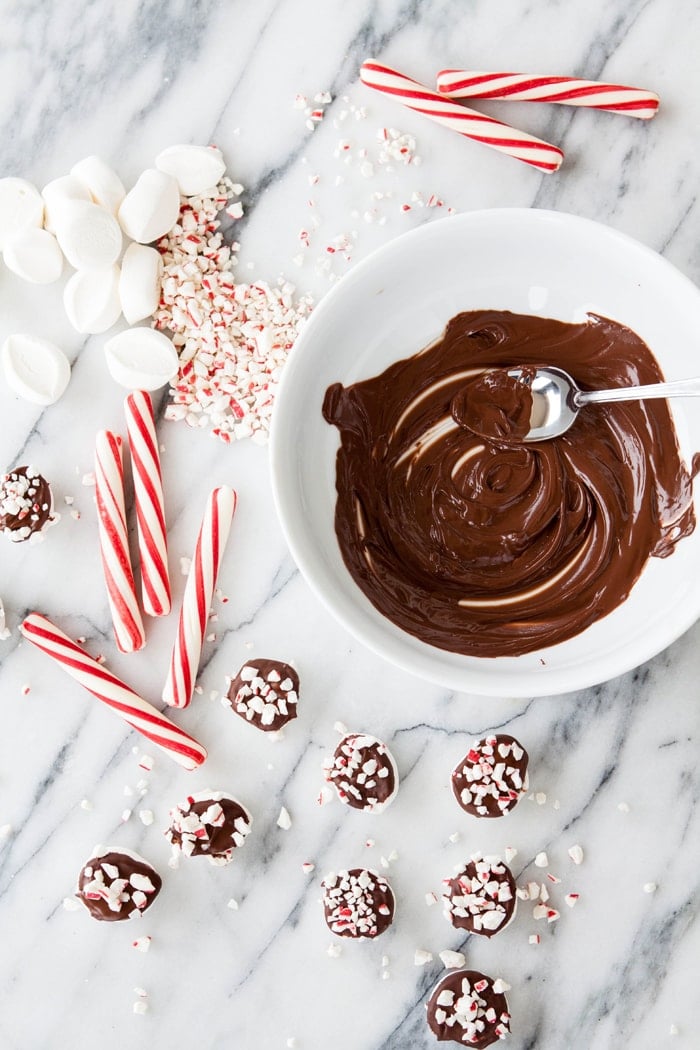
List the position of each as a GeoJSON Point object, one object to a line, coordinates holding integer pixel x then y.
{"type": "Point", "coordinates": [393, 304]}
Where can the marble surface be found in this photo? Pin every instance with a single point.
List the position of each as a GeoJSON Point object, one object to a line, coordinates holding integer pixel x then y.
{"type": "Point", "coordinates": [124, 79]}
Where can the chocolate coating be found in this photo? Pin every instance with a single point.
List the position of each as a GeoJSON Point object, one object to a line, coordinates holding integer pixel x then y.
{"type": "Point", "coordinates": [497, 549]}
{"type": "Point", "coordinates": [265, 693]}
{"type": "Point", "coordinates": [492, 777]}
{"type": "Point", "coordinates": [358, 903]}
{"type": "Point", "coordinates": [26, 504]}
{"type": "Point", "coordinates": [209, 824]}
{"type": "Point", "coordinates": [481, 897]}
{"type": "Point", "coordinates": [117, 884]}
{"type": "Point", "coordinates": [465, 1008]}
{"type": "Point", "coordinates": [363, 772]}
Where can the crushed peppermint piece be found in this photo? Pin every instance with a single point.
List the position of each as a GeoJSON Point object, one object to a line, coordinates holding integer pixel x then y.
{"type": "Point", "coordinates": [576, 854]}
{"type": "Point", "coordinates": [509, 854]}
{"type": "Point", "coordinates": [232, 904]}
{"type": "Point", "coordinates": [146, 817]}
{"type": "Point", "coordinates": [673, 1030]}
{"type": "Point", "coordinates": [146, 762]}
{"type": "Point", "coordinates": [284, 821]}
{"type": "Point", "coordinates": [623, 807]}
{"type": "Point", "coordinates": [386, 974]}
{"type": "Point", "coordinates": [571, 899]}
{"type": "Point", "coordinates": [341, 728]}
{"type": "Point", "coordinates": [452, 960]}
{"type": "Point", "coordinates": [650, 887]}
{"type": "Point", "coordinates": [141, 992]}
{"type": "Point", "coordinates": [455, 836]}
{"type": "Point", "coordinates": [140, 1006]}
{"type": "Point", "coordinates": [292, 1043]}
{"type": "Point", "coordinates": [534, 938]}
{"type": "Point", "coordinates": [4, 629]}
{"type": "Point", "coordinates": [307, 867]}
{"type": "Point", "coordinates": [540, 798]}
{"type": "Point", "coordinates": [421, 957]}
{"type": "Point", "coordinates": [126, 815]}
{"type": "Point", "coordinates": [86, 805]}
{"type": "Point", "coordinates": [333, 950]}
{"type": "Point", "coordinates": [430, 899]}
{"type": "Point", "coordinates": [142, 944]}
{"type": "Point", "coordinates": [541, 860]}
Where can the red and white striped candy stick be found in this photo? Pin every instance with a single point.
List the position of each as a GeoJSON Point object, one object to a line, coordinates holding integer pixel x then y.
{"type": "Point", "coordinates": [114, 543]}
{"type": "Point", "coordinates": [148, 492]}
{"type": "Point", "coordinates": [196, 601]}
{"type": "Point", "coordinates": [467, 122]}
{"type": "Point", "coordinates": [528, 87]}
{"type": "Point", "coordinates": [136, 711]}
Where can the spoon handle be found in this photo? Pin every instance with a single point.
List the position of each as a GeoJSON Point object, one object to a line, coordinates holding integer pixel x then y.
{"type": "Point", "coordinates": [683, 388]}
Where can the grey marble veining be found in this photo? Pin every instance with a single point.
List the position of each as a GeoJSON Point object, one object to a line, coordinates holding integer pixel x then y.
{"type": "Point", "coordinates": [124, 79]}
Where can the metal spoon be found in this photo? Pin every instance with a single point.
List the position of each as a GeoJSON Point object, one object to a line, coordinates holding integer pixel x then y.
{"type": "Point", "coordinates": [557, 400]}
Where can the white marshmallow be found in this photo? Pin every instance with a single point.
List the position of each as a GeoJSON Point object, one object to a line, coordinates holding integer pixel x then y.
{"type": "Point", "coordinates": [57, 193]}
{"type": "Point", "coordinates": [196, 168]}
{"type": "Point", "coordinates": [21, 206]}
{"type": "Point", "coordinates": [34, 368]}
{"type": "Point", "coordinates": [35, 256]}
{"type": "Point", "coordinates": [141, 359]}
{"type": "Point", "coordinates": [139, 284]}
{"type": "Point", "coordinates": [91, 299]}
{"type": "Point", "coordinates": [103, 184]}
{"type": "Point", "coordinates": [89, 236]}
{"type": "Point", "coordinates": [151, 208]}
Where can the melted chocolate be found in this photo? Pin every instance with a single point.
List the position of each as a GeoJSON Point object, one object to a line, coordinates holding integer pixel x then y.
{"type": "Point", "coordinates": [491, 548]}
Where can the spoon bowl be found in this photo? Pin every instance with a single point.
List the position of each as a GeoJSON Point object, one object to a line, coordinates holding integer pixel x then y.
{"type": "Point", "coordinates": [557, 400]}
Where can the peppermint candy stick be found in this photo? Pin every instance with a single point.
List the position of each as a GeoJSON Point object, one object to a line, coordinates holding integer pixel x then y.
{"type": "Point", "coordinates": [467, 122]}
{"type": "Point", "coordinates": [196, 601]}
{"type": "Point", "coordinates": [114, 543]}
{"type": "Point", "coordinates": [528, 87]}
{"type": "Point", "coordinates": [148, 492]}
{"type": "Point", "coordinates": [136, 711]}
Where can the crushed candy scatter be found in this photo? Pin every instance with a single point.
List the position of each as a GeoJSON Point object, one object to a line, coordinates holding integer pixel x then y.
{"type": "Point", "coordinates": [421, 957]}
{"type": "Point", "coordinates": [142, 944]}
{"type": "Point", "coordinates": [232, 904]}
{"type": "Point", "coordinates": [452, 960]}
{"type": "Point", "coordinates": [232, 339]}
{"type": "Point", "coordinates": [576, 854]}
{"type": "Point", "coordinates": [650, 887]}
{"type": "Point", "coordinates": [86, 805]}
{"type": "Point", "coordinates": [541, 860]}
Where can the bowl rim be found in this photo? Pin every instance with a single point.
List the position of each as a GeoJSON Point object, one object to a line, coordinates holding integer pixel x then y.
{"type": "Point", "coordinates": [425, 664]}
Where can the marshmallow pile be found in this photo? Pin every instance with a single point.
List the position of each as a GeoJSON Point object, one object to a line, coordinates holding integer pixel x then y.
{"type": "Point", "coordinates": [84, 218]}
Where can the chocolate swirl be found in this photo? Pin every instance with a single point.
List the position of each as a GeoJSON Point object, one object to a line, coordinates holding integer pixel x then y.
{"type": "Point", "coordinates": [490, 548]}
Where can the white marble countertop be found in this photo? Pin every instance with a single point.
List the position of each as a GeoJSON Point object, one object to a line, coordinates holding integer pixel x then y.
{"type": "Point", "coordinates": [125, 79]}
